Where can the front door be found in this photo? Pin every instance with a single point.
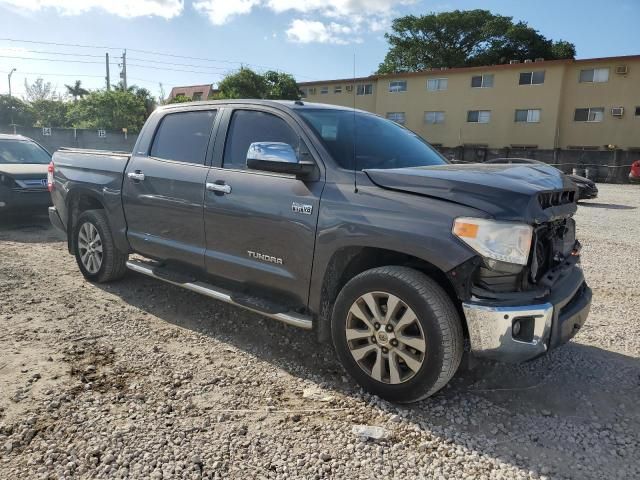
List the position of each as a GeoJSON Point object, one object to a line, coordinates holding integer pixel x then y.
{"type": "Point", "coordinates": [163, 192]}
{"type": "Point", "coordinates": [260, 227]}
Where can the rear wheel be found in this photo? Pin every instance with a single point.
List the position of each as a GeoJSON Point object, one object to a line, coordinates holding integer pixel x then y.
{"type": "Point", "coordinates": [397, 333]}
{"type": "Point", "coordinates": [96, 254]}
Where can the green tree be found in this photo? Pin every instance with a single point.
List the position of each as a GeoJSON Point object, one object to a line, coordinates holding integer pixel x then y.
{"type": "Point", "coordinates": [109, 109]}
{"type": "Point", "coordinates": [22, 112]}
{"type": "Point", "coordinates": [464, 38]}
{"type": "Point", "coordinates": [76, 90]}
{"type": "Point", "coordinates": [178, 99]}
{"type": "Point", "coordinates": [245, 83]}
{"type": "Point", "coordinates": [148, 100]}
{"type": "Point", "coordinates": [39, 90]}
{"type": "Point", "coordinates": [50, 113]}
{"type": "Point", "coordinates": [280, 86]}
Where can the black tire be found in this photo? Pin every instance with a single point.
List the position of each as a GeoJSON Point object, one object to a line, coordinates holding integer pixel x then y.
{"type": "Point", "coordinates": [437, 316]}
{"type": "Point", "coordinates": [113, 261]}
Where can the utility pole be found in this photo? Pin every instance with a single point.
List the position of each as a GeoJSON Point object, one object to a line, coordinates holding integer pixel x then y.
{"type": "Point", "coordinates": [123, 73]}
{"type": "Point", "coordinates": [108, 77]}
{"type": "Point", "coordinates": [10, 99]}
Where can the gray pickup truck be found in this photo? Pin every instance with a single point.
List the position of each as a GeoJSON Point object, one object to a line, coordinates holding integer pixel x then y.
{"type": "Point", "coordinates": [339, 221]}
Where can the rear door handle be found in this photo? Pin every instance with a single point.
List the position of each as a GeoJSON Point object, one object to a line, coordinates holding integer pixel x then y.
{"type": "Point", "coordinates": [137, 176]}
{"type": "Point", "coordinates": [219, 187]}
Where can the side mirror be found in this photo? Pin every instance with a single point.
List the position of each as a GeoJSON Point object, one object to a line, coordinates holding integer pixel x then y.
{"type": "Point", "coordinates": [278, 157]}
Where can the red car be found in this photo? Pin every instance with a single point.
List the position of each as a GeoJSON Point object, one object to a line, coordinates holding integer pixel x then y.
{"type": "Point", "coordinates": [634, 174]}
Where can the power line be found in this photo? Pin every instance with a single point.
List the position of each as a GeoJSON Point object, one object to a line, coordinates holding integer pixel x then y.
{"type": "Point", "coordinates": [50, 59]}
{"type": "Point", "coordinates": [57, 60]}
{"type": "Point", "coordinates": [80, 75]}
{"type": "Point", "coordinates": [71, 54]}
{"type": "Point", "coordinates": [173, 69]}
{"type": "Point", "coordinates": [148, 52]}
{"type": "Point", "coordinates": [175, 64]}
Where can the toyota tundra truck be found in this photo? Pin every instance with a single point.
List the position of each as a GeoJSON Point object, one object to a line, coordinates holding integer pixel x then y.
{"type": "Point", "coordinates": [338, 221]}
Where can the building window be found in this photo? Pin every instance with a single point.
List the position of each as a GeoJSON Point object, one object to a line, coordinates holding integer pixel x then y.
{"type": "Point", "coordinates": [365, 89]}
{"type": "Point", "coordinates": [482, 81]}
{"type": "Point", "coordinates": [531, 115]}
{"type": "Point", "coordinates": [312, 91]}
{"type": "Point", "coordinates": [589, 114]}
{"type": "Point", "coordinates": [102, 133]}
{"type": "Point", "coordinates": [197, 96]}
{"type": "Point", "coordinates": [435, 84]}
{"type": "Point", "coordinates": [532, 78]}
{"type": "Point", "coordinates": [594, 75]}
{"type": "Point", "coordinates": [398, 117]}
{"type": "Point", "coordinates": [398, 86]}
{"type": "Point", "coordinates": [337, 89]}
{"type": "Point", "coordinates": [303, 93]}
{"type": "Point", "coordinates": [637, 111]}
{"type": "Point", "coordinates": [324, 90]}
{"type": "Point", "coordinates": [433, 117]}
{"type": "Point", "coordinates": [349, 88]}
{"type": "Point", "coordinates": [479, 116]}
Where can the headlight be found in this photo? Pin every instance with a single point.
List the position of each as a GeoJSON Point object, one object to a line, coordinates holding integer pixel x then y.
{"type": "Point", "coordinates": [504, 241]}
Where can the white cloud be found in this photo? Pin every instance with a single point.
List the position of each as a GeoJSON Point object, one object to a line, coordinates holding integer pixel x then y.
{"type": "Point", "coordinates": [324, 20]}
{"type": "Point", "coordinates": [338, 8]}
{"type": "Point", "coordinates": [221, 11]}
{"type": "Point", "coordinates": [121, 8]}
{"type": "Point", "coordinates": [310, 31]}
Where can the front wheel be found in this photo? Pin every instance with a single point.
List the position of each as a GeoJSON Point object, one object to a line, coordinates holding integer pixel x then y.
{"type": "Point", "coordinates": [97, 256]}
{"type": "Point", "coordinates": [397, 333]}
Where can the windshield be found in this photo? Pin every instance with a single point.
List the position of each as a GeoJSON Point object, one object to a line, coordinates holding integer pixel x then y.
{"type": "Point", "coordinates": [377, 143]}
{"type": "Point", "coordinates": [20, 151]}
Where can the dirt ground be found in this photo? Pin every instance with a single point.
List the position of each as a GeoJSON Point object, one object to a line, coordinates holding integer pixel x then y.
{"type": "Point", "coordinates": [142, 379]}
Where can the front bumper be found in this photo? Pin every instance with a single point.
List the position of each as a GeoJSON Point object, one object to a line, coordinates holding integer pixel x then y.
{"type": "Point", "coordinates": [21, 201]}
{"type": "Point", "coordinates": [540, 326]}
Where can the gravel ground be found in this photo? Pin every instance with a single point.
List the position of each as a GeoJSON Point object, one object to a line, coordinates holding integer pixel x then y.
{"type": "Point", "coordinates": [144, 380]}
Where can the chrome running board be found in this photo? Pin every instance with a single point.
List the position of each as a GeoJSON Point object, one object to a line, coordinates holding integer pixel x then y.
{"type": "Point", "coordinates": [290, 318]}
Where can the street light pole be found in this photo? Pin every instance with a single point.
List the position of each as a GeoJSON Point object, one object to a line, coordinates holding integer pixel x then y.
{"type": "Point", "coordinates": [10, 99]}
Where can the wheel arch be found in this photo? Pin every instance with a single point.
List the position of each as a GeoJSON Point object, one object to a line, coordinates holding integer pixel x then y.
{"type": "Point", "coordinates": [348, 262]}
{"type": "Point", "coordinates": [79, 200]}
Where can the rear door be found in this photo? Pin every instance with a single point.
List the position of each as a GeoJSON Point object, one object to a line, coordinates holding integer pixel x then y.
{"type": "Point", "coordinates": [261, 226]}
{"type": "Point", "coordinates": [163, 190]}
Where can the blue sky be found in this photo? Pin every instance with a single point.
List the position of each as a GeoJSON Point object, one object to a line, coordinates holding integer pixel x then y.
{"type": "Point", "coordinates": [313, 39]}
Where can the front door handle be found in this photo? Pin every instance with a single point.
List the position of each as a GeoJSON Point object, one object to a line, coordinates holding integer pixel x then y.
{"type": "Point", "coordinates": [138, 176]}
{"type": "Point", "coordinates": [219, 187]}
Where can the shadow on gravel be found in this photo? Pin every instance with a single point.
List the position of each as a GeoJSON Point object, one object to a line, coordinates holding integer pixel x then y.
{"type": "Point", "coordinates": [28, 229]}
{"type": "Point", "coordinates": [558, 382]}
{"type": "Point", "coordinates": [504, 411]}
{"type": "Point", "coordinates": [609, 206]}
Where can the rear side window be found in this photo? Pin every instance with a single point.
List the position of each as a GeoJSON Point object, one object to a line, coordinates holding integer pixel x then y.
{"type": "Point", "coordinates": [184, 136]}
{"type": "Point", "coordinates": [249, 126]}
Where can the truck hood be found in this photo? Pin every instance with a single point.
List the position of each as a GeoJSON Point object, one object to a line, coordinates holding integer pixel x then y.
{"type": "Point", "coordinates": [19, 171]}
{"type": "Point", "coordinates": [513, 192]}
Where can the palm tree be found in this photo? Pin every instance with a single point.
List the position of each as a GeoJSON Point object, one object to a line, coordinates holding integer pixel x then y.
{"type": "Point", "coordinates": [76, 91]}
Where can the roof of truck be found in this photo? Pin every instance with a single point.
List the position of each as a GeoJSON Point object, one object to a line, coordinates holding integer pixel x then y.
{"type": "Point", "coordinates": [286, 104]}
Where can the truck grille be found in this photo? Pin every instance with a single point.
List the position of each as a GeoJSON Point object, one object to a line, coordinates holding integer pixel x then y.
{"type": "Point", "coordinates": [555, 199]}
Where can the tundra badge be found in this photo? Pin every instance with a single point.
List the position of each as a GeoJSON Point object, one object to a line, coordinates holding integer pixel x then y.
{"type": "Point", "coordinates": [265, 258]}
{"type": "Point", "coordinates": [301, 208]}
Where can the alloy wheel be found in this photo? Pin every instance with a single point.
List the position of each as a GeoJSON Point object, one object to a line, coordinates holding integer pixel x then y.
{"type": "Point", "coordinates": [385, 337]}
{"type": "Point", "coordinates": [90, 247]}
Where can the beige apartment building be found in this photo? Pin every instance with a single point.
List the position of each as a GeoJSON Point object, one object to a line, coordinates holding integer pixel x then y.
{"type": "Point", "coordinates": [589, 104]}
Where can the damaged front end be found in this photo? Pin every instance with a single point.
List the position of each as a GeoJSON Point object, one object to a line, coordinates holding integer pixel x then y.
{"type": "Point", "coordinates": [518, 312]}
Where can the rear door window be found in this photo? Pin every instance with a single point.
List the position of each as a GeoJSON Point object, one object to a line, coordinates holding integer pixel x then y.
{"type": "Point", "coordinates": [184, 136]}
